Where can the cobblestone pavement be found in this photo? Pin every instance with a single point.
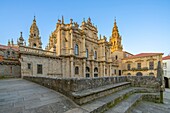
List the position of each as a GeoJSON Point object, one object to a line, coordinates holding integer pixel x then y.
{"type": "Point", "coordinates": [149, 107]}
{"type": "Point", "coordinates": [21, 96]}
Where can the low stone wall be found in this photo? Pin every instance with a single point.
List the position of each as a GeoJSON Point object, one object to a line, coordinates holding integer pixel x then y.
{"type": "Point", "coordinates": [68, 85]}
{"type": "Point", "coordinates": [144, 81]}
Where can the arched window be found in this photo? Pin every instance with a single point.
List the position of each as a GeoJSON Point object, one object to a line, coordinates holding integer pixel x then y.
{"type": "Point", "coordinates": [128, 66]}
{"type": "Point", "coordinates": [34, 45]}
{"type": "Point", "coordinates": [76, 49]}
{"type": "Point", "coordinates": [87, 72]}
{"type": "Point", "coordinates": [95, 72]}
{"type": "Point", "coordinates": [95, 69]}
{"type": "Point", "coordinates": [87, 69]}
{"type": "Point", "coordinates": [139, 74]}
{"type": "Point", "coordinates": [76, 70]}
{"type": "Point", "coordinates": [87, 53]}
{"type": "Point", "coordinates": [95, 55]}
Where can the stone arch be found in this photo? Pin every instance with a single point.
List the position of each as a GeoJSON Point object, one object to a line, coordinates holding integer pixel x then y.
{"type": "Point", "coordinates": [129, 74]}
{"type": "Point", "coordinates": [151, 74]}
{"type": "Point", "coordinates": [139, 74]}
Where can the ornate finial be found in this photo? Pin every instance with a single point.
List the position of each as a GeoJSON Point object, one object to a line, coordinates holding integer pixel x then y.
{"type": "Point", "coordinates": [100, 36]}
{"type": "Point", "coordinates": [115, 19]}
{"type": "Point", "coordinates": [12, 42]}
{"type": "Point", "coordinates": [83, 19]}
{"type": "Point", "coordinates": [21, 34]}
{"type": "Point", "coordinates": [34, 19]}
{"type": "Point", "coordinates": [8, 42]}
{"type": "Point", "coordinates": [62, 19]}
{"type": "Point", "coordinates": [71, 21]}
{"type": "Point", "coordinates": [89, 19]}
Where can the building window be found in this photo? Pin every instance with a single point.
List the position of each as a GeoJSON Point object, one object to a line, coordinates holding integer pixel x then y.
{"type": "Point", "coordinates": [29, 66]}
{"type": "Point", "coordinates": [128, 66]}
{"type": "Point", "coordinates": [76, 70]}
{"type": "Point", "coordinates": [39, 68]}
{"type": "Point", "coordinates": [34, 45]}
{"type": "Point", "coordinates": [165, 72]}
{"type": "Point", "coordinates": [115, 71]}
{"type": "Point", "coordinates": [87, 53]}
{"type": "Point", "coordinates": [87, 72]}
{"type": "Point", "coordinates": [105, 71]}
{"type": "Point", "coordinates": [138, 65]}
{"type": "Point", "coordinates": [8, 52]}
{"type": "Point", "coordinates": [151, 65]}
{"type": "Point", "coordinates": [13, 52]}
{"type": "Point", "coordinates": [95, 72]}
{"type": "Point", "coordinates": [76, 50]}
{"type": "Point", "coordinates": [106, 55]}
{"type": "Point", "coordinates": [116, 57]}
{"type": "Point", "coordinates": [95, 55]}
{"type": "Point", "coordinates": [164, 65]}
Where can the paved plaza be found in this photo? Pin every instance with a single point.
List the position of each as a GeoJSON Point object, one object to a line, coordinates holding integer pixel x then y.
{"type": "Point", "coordinates": [21, 96]}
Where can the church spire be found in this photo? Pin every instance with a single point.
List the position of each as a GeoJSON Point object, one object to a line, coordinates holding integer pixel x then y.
{"type": "Point", "coordinates": [116, 38]}
{"type": "Point", "coordinates": [34, 38]}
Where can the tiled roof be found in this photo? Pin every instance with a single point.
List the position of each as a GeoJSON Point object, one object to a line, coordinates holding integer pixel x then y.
{"type": "Point", "coordinates": [143, 55]}
{"type": "Point", "coordinates": [166, 57]}
{"type": "Point", "coordinates": [15, 48]}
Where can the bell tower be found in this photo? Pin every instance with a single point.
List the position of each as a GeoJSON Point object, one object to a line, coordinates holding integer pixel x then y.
{"type": "Point", "coordinates": [34, 38]}
{"type": "Point", "coordinates": [116, 39]}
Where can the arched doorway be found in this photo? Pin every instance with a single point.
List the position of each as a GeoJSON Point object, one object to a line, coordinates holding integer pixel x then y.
{"type": "Point", "coordinates": [166, 82]}
{"type": "Point", "coordinates": [87, 72]}
{"type": "Point", "coordinates": [139, 74]}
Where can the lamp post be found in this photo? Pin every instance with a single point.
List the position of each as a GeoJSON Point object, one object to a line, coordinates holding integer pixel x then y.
{"type": "Point", "coordinates": [160, 78]}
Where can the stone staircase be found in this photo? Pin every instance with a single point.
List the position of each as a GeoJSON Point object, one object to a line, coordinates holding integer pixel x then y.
{"type": "Point", "coordinates": [117, 94]}
{"type": "Point", "coordinates": [115, 98]}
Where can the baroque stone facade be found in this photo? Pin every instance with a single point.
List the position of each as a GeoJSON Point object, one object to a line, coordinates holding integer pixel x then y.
{"type": "Point", "coordinates": [78, 52]}
{"type": "Point", "coordinates": [75, 51]}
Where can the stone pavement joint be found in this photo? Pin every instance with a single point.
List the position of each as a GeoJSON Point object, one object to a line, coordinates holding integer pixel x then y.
{"type": "Point", "coordinates": [21, 96]}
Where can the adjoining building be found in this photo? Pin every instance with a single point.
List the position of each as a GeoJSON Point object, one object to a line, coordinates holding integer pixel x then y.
{"type": "Point", "coordinates": [141, 64]}
{"type": "Point", "coordinates": [166, 70]}
{"type": "Point", "coordinates": [9, 60]}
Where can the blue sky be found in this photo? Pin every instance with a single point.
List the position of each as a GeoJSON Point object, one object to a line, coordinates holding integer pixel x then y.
{"type": "Point", "coordinates": [143, 24]}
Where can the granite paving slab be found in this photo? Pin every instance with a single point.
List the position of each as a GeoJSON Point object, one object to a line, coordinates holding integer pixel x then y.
{"type": "Point", "coordinates": [21, 96]}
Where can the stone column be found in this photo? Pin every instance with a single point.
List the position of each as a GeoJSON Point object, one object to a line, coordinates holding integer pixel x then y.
{"type": "Point", "coordinates": [110, 69]}
{"type": "Point", "coordinates": [59, 43]}
{"type": "Point", "coordinates": [84, 48]}
{"type": "Point", "coordinates": [84, 68]}
{"type": "Point", "coordinates": [104, 69]}
{"type": "Point", "coordinates": [71, 42]}
{"type": "Point", "coordinates": [71, 67]}
{"type": "Point", "coordinates": [92, 69]}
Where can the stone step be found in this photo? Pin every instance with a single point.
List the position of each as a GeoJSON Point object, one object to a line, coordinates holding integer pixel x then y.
{"type": "Point", "coordinates": [125, 105]}
{"type": "Point", "coordinates": [85, 96]}
{"type": "Point", "coordinates": [104, 103]}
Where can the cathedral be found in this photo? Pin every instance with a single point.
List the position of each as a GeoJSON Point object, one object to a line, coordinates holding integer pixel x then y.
{"type": "Point", "coordinates": [72, 51]}
{"type": "Point", "coordinates": [76, 51]}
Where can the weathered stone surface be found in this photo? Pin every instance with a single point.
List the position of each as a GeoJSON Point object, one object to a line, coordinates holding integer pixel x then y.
{"type": "Point", "coordinates": [21, 96]}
